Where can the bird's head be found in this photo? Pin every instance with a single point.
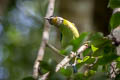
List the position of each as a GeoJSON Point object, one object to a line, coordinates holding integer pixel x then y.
{"type": "Point", "coordinates": [53, 20]}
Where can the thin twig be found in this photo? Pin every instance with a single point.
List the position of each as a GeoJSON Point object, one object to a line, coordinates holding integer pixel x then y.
{"type": "Point", "coordinates": [113, 70]}
{"type": "Point", "coordinates": [45, 38]}
{"type": "Point", "coordinates": [44, 77]}
{"type": "Point", "coordinates": [116, 10]}
{"type": "Point", "coordinates": [55, 50]}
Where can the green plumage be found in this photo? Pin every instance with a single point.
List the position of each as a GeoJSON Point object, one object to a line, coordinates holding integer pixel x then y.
{"type": "Point", "coordinates": [69, 32]}
{"type": "Point", "coordinates": [68, 29]}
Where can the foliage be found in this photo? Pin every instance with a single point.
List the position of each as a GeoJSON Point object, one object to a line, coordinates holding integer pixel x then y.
{"type": "Point", "coordinates": [114, 22]}
{"type": "Point", "coordinates": [100, 48]}
{"type": "Point", "coordinates": [114, 3]}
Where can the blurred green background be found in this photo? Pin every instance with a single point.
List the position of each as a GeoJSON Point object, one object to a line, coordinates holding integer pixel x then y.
{"type": "Point", "coordinates": [21, 26]}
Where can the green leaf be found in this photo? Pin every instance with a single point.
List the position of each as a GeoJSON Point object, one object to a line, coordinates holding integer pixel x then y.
{"type": "Point", "coordinates": [118, 59]}
{"type": "Point", "coordinates": [79, 76]}
{"type": "Point", "coordinates": [77, 42]}
{"type": "Point", "coordinates": [79, 61]}
{"type": "Point", "coordinates": [86, 58]}
{"type": "Point", "coordinates": [63, 52]}
{"type": "Point", "coordinates": [87, 52]}
{"type": "Point", "coordinates": [118, 65]}
{"type": "Point", "coordinates": [107, 54]}
{"type": "Point", "coordinates": [91, 60]}
{"type": "Point", "coordinates": [114, 4]}
{"type": "Point", "coordinates": [92, 72]}
{"type": "Point", "coordinates": [115, 20]}
{"type": "Point", "coordinates": [66, 72]}
{"type": "Point", "coordinates": [97, 39]}
{"type": "Point", "coordinates": [49, 65]}
{"type": "Point", "coordinates": [105, 50]}
{"type": "Point", "coordinates": [94, 48]}
{"type": "Point", "coordinates": [107, 58]}
{"type": "Point", "coordinates": [101, 43]}
{"type": "Point", "coordinates": [89, 73]}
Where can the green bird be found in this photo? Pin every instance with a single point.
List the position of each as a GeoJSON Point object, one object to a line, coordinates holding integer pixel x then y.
{"type": "Point", "coordinates": [67, 28]}
{"type": "Point", "coordinates": [69, 33]}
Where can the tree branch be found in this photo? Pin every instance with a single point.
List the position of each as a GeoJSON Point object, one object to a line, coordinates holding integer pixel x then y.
{"type": "Point", "coordinates": [45, 38]}
{"type": "Point", "coordinates": [115, 37]}
{"type": "Point", "coordinates": [71, 56]}
{"type": "Point", "coordinates": [66, 60]}
{"type": "Point", "coordinates": [116, 10]}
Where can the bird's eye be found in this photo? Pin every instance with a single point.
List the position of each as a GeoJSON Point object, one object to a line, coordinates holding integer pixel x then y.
{"type": "Point", "coordinates": [50, 20]}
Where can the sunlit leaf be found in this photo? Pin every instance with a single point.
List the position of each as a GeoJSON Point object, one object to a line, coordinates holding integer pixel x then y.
{"type": "Point", "coordinates": [86, 58]}
{"type": "Point", "coordinates": [94, 48]}
{"type": "Point", "coordinates": [79, 60]}
{"type": "Point", "coordinates": [92, 72]}
{"type": "Point", "coordinates": [118, 59]}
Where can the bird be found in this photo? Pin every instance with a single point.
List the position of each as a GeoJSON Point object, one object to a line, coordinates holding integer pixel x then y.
{"type": "Point", "coordinates": [67, 28]}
